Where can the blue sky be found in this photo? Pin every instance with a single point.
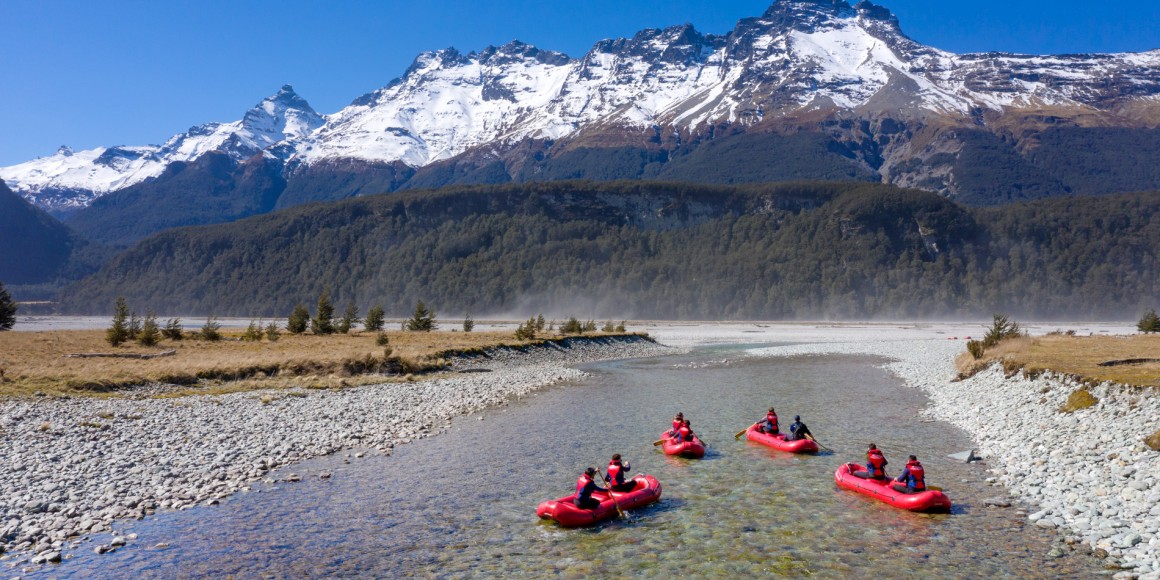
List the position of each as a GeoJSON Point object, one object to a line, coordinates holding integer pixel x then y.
{"type": "Point", "coordinates": [120, 72]}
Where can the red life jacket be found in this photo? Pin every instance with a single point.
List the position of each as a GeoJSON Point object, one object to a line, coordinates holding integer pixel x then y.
{"type": "Point", "coordinates": [877, 463]}
{"type": "Point", "coordinates": [614, 474]}
{"type": "Point", "coordinates": [685, 433]}
{"type": "Point", "coordinates": [582, 483]}
{"type": "Point", "coordinates": [917, 478]}
{"type": "Point", "coordinates": [677, 425]}
{"type": "Point", "coordinates": [772, 418]}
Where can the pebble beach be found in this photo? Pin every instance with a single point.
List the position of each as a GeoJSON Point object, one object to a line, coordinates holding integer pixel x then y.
{"type": "Point", "coordinates": [71, 470]}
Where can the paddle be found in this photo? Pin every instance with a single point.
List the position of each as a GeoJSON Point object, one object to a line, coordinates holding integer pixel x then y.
{"type": "Point", "coordinates": [811, 438]}
{"type": "Point", "coordinates": [741, 432]}
{"type": "Point", "coordinates": [608, 480]}
{"type": "Point", "coordinates": [659, 442]}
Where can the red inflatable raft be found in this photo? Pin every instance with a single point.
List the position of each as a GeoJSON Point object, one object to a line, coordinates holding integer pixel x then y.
{"type": "Point", "coordinates": [778, 442]}
{"type": "Point", "coordinates": [693, 449]}
{"type": "Point", "coordinates": [565, 512]}
{"type": "Point", "coordinates": [882, 489]}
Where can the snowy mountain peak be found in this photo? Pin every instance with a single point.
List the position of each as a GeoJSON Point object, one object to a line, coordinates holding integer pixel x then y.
{"type": "Point", "coordinates": [806, 15]}
{"type": "Point", "coordinates": [64, 151]}
{"type": "Point", "coordinates": [285, 115]}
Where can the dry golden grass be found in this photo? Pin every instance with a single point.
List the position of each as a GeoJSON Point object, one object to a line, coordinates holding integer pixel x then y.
{"type": "Point", "coordinates": [1078, 356]}
{"type": "Point", "coordinates": [34, 361]}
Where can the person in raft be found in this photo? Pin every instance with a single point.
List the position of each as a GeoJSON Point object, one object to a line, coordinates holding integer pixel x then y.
{"type": "Point", "coordinates": [798, 430]}
{"type": "Point", "coordinates": [875, 463]}
{"type": "Point", "coordinates": [615, 477]}
{"type": "Point", "coordinates": [769, 423]}
{"type": "Point", "coordinates": [913, 478]}
{"type": "Point", "coordinates": [685, 433]}
{"type": "Point", "coordinates": [677, 422]}
{"type": "Point", "coordinates": [585, 486]}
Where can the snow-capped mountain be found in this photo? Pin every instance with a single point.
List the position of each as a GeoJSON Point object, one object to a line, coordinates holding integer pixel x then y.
{"type": "Point", "coordinates": [803, 65]}
{"type": "Point", "coordinates": [68, 179]}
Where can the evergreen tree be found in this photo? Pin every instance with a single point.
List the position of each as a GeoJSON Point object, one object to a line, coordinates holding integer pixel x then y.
{"type": "Point", "coordinates": [422, 319]}
{"type": "Point", "coordinates": [253, 332]}
{"type": "Point", "coordinates": [150, 333]}
{"type": "Point", "coordinates": [7, 309]}
{"type": "Point", "coordinates": [540, 323]}
{"type": "Point", "coordinates": [620, 327]}
{"type": "Point", "coordinates": [323, 321]}
{"type": "Point", "coordinates": [272, 333]}
{"type": "Point", "coordinates": [349, 318]}
{"type": "Point", "coordinates": [119, 331]}
{"type": "Point", "coordinates": [609, 326]}
{"type": "Point", "coordinates": [527, 330]}
{"type": "Point", "coordinates": [210, 330]}
{"type": "Point", "coordinates": [571, 326]}
{"type": "Point", "coordinates": [589, 326]}
{"type": "Point", "coordinates": [468, 323]}
{"type": "Point", "coordinates": [1150, 322]}
{"type": "Point", "coordinates": [173, 330]}
{"type": "Point", "coordinates": [298, 321]}
{"type": "Point", "coordinates": [375, 319]}
{"type": "Point", "coordinates": [134, 325]}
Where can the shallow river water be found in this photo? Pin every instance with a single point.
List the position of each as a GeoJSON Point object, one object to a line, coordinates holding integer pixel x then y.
{"type": "Point", "coordinates": [463, 503]}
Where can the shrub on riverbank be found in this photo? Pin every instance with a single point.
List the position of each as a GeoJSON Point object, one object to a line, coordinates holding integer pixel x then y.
{"type": "Point", "coordinates": [1078, 400]}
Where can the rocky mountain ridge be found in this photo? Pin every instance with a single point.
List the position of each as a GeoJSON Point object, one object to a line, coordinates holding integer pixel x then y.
{"type": "Point", "coordinates": [900, 111]}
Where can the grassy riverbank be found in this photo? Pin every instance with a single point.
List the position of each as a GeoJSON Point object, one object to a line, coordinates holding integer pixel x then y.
{"type": "Point", "coordinates": [1129, 360]}
{"type": "Point", "coordinates": [37, 362]}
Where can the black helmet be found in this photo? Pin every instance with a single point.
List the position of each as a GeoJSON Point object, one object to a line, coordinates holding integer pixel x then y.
{"type": "Point", "coordinates": [797, 417]}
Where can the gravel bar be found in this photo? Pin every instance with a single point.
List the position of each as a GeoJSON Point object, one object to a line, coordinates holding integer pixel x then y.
{"type": "Point", "coordinates": [71, 467]}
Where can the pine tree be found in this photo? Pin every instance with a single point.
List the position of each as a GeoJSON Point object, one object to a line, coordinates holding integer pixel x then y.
{"type": "Point", "coordinates": [210, 330]}
{"type": "Point", "coordinates": [134, 325]}
{"type": "Point", "coordinates": [150, 333]}
{"type": "Point", "coordinates": [1150, 322]}
{"type": "Point", "coordinates": [323, 321]}
{"type": "Point", "coordinates": [540, 323]}
{"type": "Point", "coordinates": [119, 331]}
{"type": "Point", "coordinates": [422, 320]}
{"type": "Point", "coordinates": [253, 332]}
{"type": "Point", "coordinates": [173, 330]}
{"type": "Point", "coordinates": [298, 321]}
{"type": "Point", "coordinates": [7, 309]}
{"type": "Point", "coordinates": [272, 333]}
{"type": "Point", "coordinates": [375, 319]}
{"type": "Point", "coordinates": [468, 323]}
{"type": "Point", "coordinates": [349, 318]}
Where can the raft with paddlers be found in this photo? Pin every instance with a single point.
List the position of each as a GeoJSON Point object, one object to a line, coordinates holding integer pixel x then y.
{"type": "Point", "coordinates": [567, 514]}
{"type": "Point", "coordinates": [778, 441]}
{"type": "Point", "coordinates": [930, 500]}
{"type": "Point", "coordinates": [694, 448]}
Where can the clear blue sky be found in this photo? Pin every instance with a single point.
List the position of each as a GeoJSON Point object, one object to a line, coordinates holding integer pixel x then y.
{"type": "Point", "coordinates": [118, 72]}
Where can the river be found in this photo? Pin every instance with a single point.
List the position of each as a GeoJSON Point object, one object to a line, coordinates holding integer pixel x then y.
{"type": "Point", "coordinates": [463, 503]}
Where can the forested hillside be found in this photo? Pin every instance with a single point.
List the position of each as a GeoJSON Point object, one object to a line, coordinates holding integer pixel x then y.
{"type": "Point", "coordinates": [658, 250]}
{"type": "Point", "coordinates": [37, 250]}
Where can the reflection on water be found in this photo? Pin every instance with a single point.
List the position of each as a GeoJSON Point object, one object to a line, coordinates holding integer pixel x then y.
{"type": "Point", "coordinates": [463, 503]}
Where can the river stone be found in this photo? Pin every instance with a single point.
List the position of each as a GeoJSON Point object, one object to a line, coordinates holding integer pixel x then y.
{"type": "Point", "coordinates": [997, 502]}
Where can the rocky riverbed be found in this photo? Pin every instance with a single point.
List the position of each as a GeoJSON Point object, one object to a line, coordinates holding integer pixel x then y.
{"type": "Point", "coordinates": [1087, 474]}
{"type": "Point", "coordinates": [71, 468]}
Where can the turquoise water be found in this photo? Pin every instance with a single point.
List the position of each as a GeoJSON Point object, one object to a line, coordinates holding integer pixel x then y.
{"type": "Point", "coordinates": [463, 503]}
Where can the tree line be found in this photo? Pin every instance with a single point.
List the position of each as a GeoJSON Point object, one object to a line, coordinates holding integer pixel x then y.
{"type": "Point", "coordinates": [656, 250]}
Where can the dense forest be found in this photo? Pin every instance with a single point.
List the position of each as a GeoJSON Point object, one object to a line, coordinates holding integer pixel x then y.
{"type": "Point", "coordinates": [37, 252]}
{"type": "Point", "coordinates": [803, 250]}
